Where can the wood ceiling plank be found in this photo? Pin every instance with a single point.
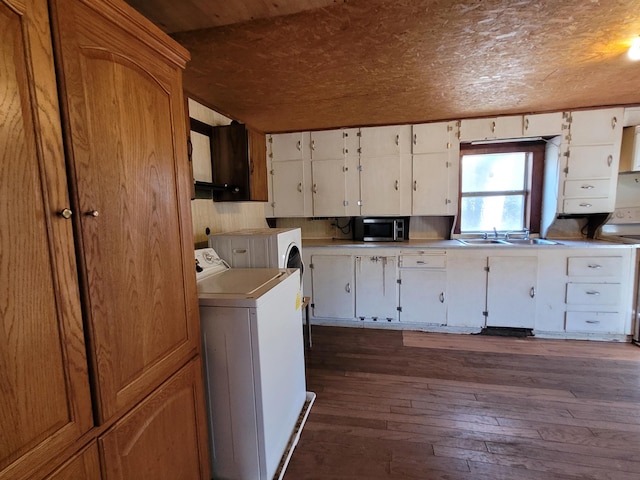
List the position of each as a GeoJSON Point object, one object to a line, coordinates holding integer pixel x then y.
{"type": "Point", "coordinates": [368, 62]}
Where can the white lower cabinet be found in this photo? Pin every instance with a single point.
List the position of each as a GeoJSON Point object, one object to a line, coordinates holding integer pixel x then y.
{"type": "Point", "coordinates": [511, 291]}
{"type": "Point", "coordinates": [376, 288]}
{"type": "Point", "coordinates": [466, 287]}
{"type": "Point", "coordinates": [332, 286]}
{"type": "Point", "coordinates": [423, 287]}
{"type": "Point", "coordinates": [569, 292]}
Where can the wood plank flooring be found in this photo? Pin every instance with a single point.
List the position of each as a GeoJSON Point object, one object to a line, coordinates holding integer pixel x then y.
{"type": "Point", "coordinates": [413, 405]}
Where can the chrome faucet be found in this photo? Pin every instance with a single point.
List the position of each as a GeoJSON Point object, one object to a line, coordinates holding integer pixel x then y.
{"type": "Point", "coordinates": [495, 232]}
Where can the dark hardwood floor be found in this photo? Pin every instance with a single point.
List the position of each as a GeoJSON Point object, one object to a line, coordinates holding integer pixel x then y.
{"type": "Point", "coordinates": [412, 405]}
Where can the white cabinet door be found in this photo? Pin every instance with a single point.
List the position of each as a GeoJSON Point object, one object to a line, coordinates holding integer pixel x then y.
{"type": "Point", "coordinates": [332, 286]}
{"type": "Point", "coordinates": [511, 291]}
{"type": "Point", "coordinates": [433, 187]}
{"type": "Point", "coordinates": [490, 128]}
{"type": "Point", "coordinates": [289, 146]}
{"type": "Point", "coordinates": [423, 296]}
{"type": "Point", "coordinates": [291, 194]}
{"type": "Point", "coordinates": [329, 188]}
{"type": "Point", "coordinates": [596, 127]}
{"type": "Point", "coordinates": [592, 161]}
{"type": "Point", "coordinates": [383, 141]}
{"type": "Point", "coordinates": [542, 124]}
{"type": "Point", "coordinates": [380, 184]}
{"type": "Point", "coordinates": [466, 287]}
{"type": "Point", "coordinates": [327, 144]}
{"type": "Point", "coordinates": [376, 288]}
{"type": "Point", "coordinates": [432, 137]}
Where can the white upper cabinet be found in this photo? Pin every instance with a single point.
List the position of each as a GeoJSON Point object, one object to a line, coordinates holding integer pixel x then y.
{"type": "Point", "coordinates": [491, 128]}
{"type": "Point", "coordinates": [435, 169]}
{"type": "Point", "coordinates": [291, 194]}
{"type": "Point", "coordinates": [383, 141]}
{"type": "Point", "coordinates": [328, 144]}
{"type": "Point", "coordinates": [289, 146]}
{"type": "Point", "coordinates": [542, 124]}
{"type": "Point", "coordinates": [433, 137]}
{"type": "Point", "coordinates": [590, 161]}
{"type": "Point", "coordinates": [596, 127]}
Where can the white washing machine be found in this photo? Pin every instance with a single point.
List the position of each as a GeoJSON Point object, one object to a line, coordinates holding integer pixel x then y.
{"type": "Point", "coordinates": [260, 247]}
{"type": "Point", "coordinates": [254, 366]}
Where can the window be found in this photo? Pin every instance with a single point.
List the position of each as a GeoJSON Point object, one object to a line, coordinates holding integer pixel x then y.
{"type": "Point", "coordinates": [500, 187]}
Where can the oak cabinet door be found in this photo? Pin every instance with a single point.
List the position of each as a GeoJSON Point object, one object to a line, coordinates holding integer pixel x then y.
{"type": "Point", "coordinates": [160, 438]}
{"type": "Point", "coordinates": [123, 103]}
{"type": "Point", "coordinates": [44, 388]}
{"type": "Point", "coordinates": [85, 465]}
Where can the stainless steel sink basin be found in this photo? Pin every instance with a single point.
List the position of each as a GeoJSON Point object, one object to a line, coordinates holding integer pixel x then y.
{"type": "Point", "coordinates": [531, 241]}
{"type": "Point", "coordinates": [482, 241]}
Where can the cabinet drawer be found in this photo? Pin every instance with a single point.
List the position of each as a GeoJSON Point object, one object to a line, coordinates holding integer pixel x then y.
{"type": "Point", "coordinates": [594, 266]}
{"type": "Point", "coordinates": [423, 261]}
{"type": "Point", "coordinates": [601, 322]}
{"type": "Point", "coordinates": [587, 205]}
{"type": "Point", "coordinates": [593, 293]}
{"type": "Point", "coordinates": [587, 188]}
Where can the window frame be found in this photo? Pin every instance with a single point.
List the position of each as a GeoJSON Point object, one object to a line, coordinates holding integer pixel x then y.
{"type": "Point", "coordinates": [533, 198]}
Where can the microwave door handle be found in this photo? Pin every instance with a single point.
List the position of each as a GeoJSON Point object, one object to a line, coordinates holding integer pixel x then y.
{"type": "Point", "coordinates": [395, 230]}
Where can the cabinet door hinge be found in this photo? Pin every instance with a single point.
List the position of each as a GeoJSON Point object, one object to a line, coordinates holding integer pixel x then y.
{"type": "Point", "coordinates": [270, 139]}
{"type": "Point", "coordinates": [345, 203]}
{"type": "Point", "coordinates": [311, 265]}
{"type": "Point", "coordinates": [487, 269]}
{"type": "Point", "coordinates": [359, 150]}
{"type": "Point", "coordinates": [359, 133]}
{"type": "Point", "coordinates": [312, 305]}
{"type": "Point", "coordinates": [359, 168]}
{"type": "Point", "coordinates": [485, 313]}
{"type": "Point", "coordinates": [399, 281]}
{"type": "Point", "coordinates": [399, 309]}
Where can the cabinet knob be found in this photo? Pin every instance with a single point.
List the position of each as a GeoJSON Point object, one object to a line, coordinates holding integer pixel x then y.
{"type": "Point", "coordinates": [609, 160]}
{"type": "Point", "coordinates": [614, 122]}
{"type": "Point", "coordinates": [300, 187]}
{"type": "Point", "coordinates": [532, 292]}
{"type": "Point", "coordinates": [65, 213]}
{"type": "Point", "coordinates": [348, 288]}
{"type": "Point", "coordinates": [93, 213]}
{"type": "Point", "coordinates": [441, 297]}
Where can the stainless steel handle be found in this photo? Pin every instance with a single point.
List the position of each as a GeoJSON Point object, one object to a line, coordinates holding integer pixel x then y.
{"type": "Point", "coordinates": [239, 250]}
{"type": "Point", "coordinates": [415, 138]}
{"type": "Point", "coordinates": [348, 287]}
{"type": "Point", "coordinates": [415, 185]}
{"type": "Point", "coordinates": [397, 184]}
{"type": "Point", "coordinates": [594, 265]}
{"type": "Point", "coordinates": [532, 292]}
{"type": "Point", "coordinates": [587, 205]}
{"type": "Point", "coordinates": [441, 297]}
{"type": "Point", "coordinates": [65, 213]}
{"type": "Point", "coordinates": [593, 322]}
{"type": "Point", "coordinates": [592, 292]}
{"type": "Point", "coordinates": [93, 213]}
{"type": "Point", "coordinates": [300, 187]}
{"type": "Point", "coordinates": [609, 160]}
{"type": "Point", "coordinates": [587, 187]}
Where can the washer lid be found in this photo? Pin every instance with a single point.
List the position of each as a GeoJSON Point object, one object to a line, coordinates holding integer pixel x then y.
{"type": "Point", "coordinates": [238, 281]}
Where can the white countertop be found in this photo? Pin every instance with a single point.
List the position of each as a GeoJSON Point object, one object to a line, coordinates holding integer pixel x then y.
{"type": "Point", "coordinates": [440, 244]}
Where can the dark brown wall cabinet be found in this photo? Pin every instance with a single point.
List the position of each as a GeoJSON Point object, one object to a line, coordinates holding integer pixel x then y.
{"type": "Point", "coordinates": [239, 160]}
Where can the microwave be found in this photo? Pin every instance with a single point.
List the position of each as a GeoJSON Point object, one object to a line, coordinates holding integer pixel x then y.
{"type": "Point", "coordinates": [381, 229]}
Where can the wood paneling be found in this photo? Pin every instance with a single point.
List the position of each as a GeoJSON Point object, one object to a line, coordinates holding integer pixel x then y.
{"type": "Point", "coordinates": [414, 405]}
{"type": "Point", "coordinates": [366, 62]}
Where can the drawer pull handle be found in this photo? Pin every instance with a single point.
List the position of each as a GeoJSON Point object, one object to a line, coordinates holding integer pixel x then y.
{"type": "Point", "coordinates": [593, 322]}
{"type": "Point", "coordinates": [595, 266]}
{"type": "Point", "coordinates": [587, 205]}
{"type": "Point", "coordinates": [587, 187]}
{"type": "Point", "coordinates": [592, 292]}
{"type": "Point", "coordinates": [421, 262]}
{"type": "Point", "coordinates": [239, 250]}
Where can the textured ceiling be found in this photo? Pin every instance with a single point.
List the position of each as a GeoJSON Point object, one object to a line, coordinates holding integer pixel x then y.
{"type": "Point", "coordinates": [375, 62]}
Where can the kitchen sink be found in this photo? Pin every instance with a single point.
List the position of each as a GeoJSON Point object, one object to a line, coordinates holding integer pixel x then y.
{"type": "Point", "coordinates": [511, 241]}
{"type": "Point", "coordinates": [531, 241]}
{"type": "Point", "coordinates": [482, 241]}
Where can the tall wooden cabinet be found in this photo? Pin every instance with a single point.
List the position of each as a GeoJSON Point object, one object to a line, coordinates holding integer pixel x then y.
{"type": "Point", "coordinates": [100, 345]}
